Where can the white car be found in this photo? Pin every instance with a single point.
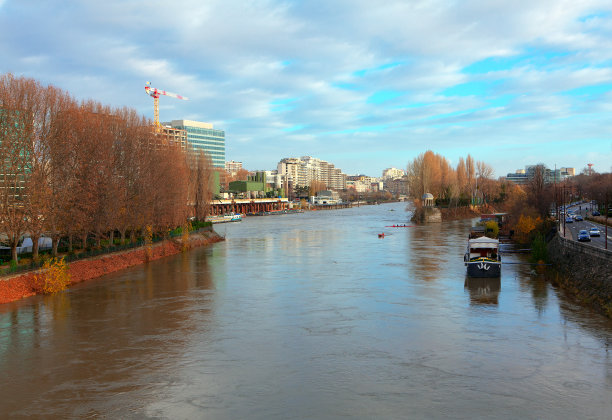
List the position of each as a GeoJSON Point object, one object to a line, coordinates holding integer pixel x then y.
{"type": "Point", "coordinates": [594, 232]}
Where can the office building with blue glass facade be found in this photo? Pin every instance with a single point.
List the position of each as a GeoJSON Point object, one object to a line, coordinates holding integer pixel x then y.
{"type": "Point", "coordinates": [202, 136]}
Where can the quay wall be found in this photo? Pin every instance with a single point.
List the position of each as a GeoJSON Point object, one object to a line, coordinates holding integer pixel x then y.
{"type": "Point", "coordinates": [584, 271]}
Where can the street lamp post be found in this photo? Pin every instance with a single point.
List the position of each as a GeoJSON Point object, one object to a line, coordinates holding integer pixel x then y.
{"type": "Point", "coordinates": [564, 211]}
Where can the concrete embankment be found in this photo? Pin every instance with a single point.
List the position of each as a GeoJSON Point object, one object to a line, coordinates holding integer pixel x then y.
{"type": "Point", "coordinates": [19, 286]}
{"type": "Point", "coordinates": [584, 271]}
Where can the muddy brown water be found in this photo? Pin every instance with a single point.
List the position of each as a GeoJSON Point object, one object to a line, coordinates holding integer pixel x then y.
{"type": "Point", "coordinates": [309, 316]}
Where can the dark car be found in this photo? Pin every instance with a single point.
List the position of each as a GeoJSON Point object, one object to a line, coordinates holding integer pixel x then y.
{"type": "Point", "coordinates": [569, 220]}
{"type": "Point", "coordinates": [596, 213]}
{"type": "Point", "coordinates": [578, 218]}
{"type": "Point", "coordinates": [583, 236]}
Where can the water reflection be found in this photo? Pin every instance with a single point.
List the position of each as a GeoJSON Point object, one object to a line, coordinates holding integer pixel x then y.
{"type": "Point", "coordinates": [483, 291]}
{"type": "Point", "coordinates": [425, 251]}
{"type": "Point", "coordinates": [109, 336]}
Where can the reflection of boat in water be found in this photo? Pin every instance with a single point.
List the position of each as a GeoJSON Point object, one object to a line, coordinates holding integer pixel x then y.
{"type": "Point", "coordinates": [231, 217]}
{"type": "Point", "coordinates": [482, 257]}
{"type": "Point", "coordinates": [483, 291]}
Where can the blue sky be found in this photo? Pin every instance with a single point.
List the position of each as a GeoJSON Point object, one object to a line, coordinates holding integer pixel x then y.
{"type": "Point", "coordinates": [365, 85]}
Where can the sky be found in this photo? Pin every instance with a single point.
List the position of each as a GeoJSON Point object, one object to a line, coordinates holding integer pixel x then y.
{"type": "Point", "coordinates": [364, 85]}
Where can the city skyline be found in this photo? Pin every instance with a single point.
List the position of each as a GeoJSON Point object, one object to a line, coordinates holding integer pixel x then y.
{"type": "Point", "coordinates": [363, 86]}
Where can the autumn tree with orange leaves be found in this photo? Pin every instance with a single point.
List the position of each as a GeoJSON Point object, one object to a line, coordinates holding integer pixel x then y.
{"type": "Point", "coordinates": [85, 170]}
{"type": "Point", "coordinates": [432, 173]}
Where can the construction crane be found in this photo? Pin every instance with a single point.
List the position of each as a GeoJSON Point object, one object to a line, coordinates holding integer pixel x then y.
{"type": "Point", "coordinates": [155, 93]}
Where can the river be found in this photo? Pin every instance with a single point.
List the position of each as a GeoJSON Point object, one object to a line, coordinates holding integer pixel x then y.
{"type": "Point", "coordinates": [309, 316]}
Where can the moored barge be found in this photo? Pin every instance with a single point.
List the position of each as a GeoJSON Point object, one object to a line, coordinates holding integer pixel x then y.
{"type": "Point", "coordinates": [482, 258]}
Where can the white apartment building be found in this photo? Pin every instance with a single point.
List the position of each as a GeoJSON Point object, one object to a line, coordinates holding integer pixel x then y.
{"type": "Point", "coordinates": [292, 170]}
{"type": "Point", "coordinates": [303, 171]}
{"type": "Point", "coordinates": [233, 167]}
{"type": "Point", "coordinates": [393, 173]}
{"type": "Point", "coordinates": [358, 186]}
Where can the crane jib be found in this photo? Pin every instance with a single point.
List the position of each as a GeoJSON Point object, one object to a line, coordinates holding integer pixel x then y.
{"type": "Point", "coordinates": [155, 93]}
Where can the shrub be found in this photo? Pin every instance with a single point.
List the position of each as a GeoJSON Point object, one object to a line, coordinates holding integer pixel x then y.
{"type": "Point", "coordinates": [538, 249]}
{"type": "Point", "coordinates": [53, 276]}
{"type": "Point", "coordinates": [197, 224]}
{"type": "Point", "coordinates": [524, 227]}
{"type": "Point", "coordinates": [492, 229]}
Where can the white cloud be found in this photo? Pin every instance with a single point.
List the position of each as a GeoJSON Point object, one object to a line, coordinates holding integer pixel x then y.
{"type": "Point", "coordinates": [234, 59]}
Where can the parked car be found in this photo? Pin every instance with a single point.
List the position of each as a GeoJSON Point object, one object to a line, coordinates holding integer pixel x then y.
{"type": "Point", "coordinates": [569, 219]}
{"type": "Point", "coordinates": [596, 213]}
{"type": "Point", "coordinates": [594, 232]}
{"type": "Point", "coordinates": [583, 236]}
{"type": "Point", "coordinates": [578, 218]}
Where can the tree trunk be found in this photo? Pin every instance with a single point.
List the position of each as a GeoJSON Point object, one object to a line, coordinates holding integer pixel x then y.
{"type": "Point", "coordinates": [111, 238]}
{"type": "Point", "coordinates": [70, 243]}
{"type": "Point", "coordinates": [35, 239]}
{"type": "Point", "coordinates": [84, 242]}
{"type": "Point", "coordinates": [132, 236]}
{"type": "Point", "coordinates": [54, 243]}
{"type": "Point", "coordinates": [122, 236]}
{"type": "Point", "coordinates": [14, 251]}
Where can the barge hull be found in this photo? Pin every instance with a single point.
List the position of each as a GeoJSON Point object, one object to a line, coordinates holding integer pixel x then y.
{"type": "Point", "coordinates": [483, 269]}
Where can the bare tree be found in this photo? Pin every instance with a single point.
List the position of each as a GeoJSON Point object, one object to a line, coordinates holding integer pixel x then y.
{"type": "Point", "coordinates": [80, 169]}
{"type": "Point", "coordinates": [540, 195]}
{"type": "Point", "coordinates": [200, 184]}
{"type": "Point", "coordinates": [470, 172]}
{"type": "Point", "coordinates": [18, 103]}
{"type": "Point", "coordinates": [462, 182]}
{"type": "Point", "coordinates": [315, 187]}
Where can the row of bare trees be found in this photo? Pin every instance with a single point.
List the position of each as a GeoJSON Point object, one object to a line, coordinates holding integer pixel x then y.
{"type": "Point", "coordinates": [82, 169]}
{"type": "Point", "coordinates": [432, 173]}
{"type": "Point", "coordinates": [534, 201]}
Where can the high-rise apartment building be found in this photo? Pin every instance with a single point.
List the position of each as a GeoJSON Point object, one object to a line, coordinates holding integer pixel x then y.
{"type": "Point", "coordinates": [167, 135]}
{"type": "Point", "coordinates": [202, 136]}
{"type": "Point", "coordinates": [233, 167]}
{"type": "Point", "coordinates": [293, 171]}
{"type": "Point", "coordinates": [301, 172]}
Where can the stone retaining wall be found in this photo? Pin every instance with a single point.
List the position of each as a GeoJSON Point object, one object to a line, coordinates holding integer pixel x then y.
{"type": "Point", "coordinates": [426, 215]}
{"type": "Point", "coordinates": [585, 271]}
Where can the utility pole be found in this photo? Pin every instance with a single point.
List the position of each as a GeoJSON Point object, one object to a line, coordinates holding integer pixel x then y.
{"type": "Point", "coordinates": [564, 210]}
{"type": "Point", "coordinates": [557, 200]}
